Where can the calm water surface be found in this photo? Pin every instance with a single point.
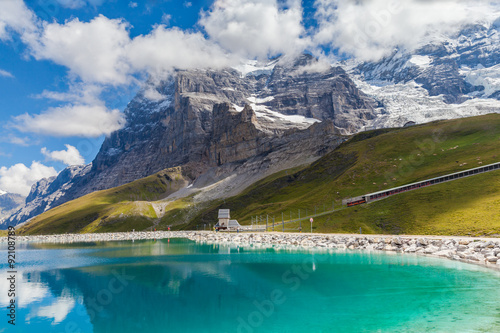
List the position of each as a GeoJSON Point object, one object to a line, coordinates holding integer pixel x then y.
{"type": "Point", "coordinates": [179, 286]}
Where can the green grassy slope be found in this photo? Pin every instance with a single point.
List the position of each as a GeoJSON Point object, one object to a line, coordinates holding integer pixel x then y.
{"type": "Point", "coordinates": [118, 209]}
{"type": "Point", "coordinates": [368, 162]}
{"type": "Point", "coordinates": [383, 159]}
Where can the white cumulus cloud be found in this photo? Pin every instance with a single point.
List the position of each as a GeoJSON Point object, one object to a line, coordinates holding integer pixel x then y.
{"type": "Point", "coordinates": [166, 49]}
{"type": "Point", "coordinates": [256, 28]}
{"type": "Point", "coordinates": [371, 29]}
{"type": "Point", "coordinates": [19, 178]}
{"type": "Point", "coordinates": [70, 156]}
{"type": "Point", "coordinates": [72, 120]}
{"type": "Point", "coordinates": [94, 51]}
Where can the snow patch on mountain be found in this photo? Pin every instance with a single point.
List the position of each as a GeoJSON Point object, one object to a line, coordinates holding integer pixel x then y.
{"type": "Point", "coordinates": [420, 61]}
{"type": "Point", "coordinates": [293, 119]}
{"type": "Point", "coordinates": [267, 116]}
{"type": "Point", "coordinates": [238, 108]}
{"type": "Point", "coordinates": [404, 102]}
{"type": "Point", "coordinates": [255, 68]}
{"type": "Point", "coordinates": [2, 192]}
{"type": "Point", "coordinates": [254, 100]}
{"type": "Point", "coordinates": [489, 78]}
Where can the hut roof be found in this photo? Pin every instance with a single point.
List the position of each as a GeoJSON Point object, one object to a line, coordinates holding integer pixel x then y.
{"type": "Point", "coordinates": [233, 224]}
{"type": "Point", "coordinates": [223, 213]}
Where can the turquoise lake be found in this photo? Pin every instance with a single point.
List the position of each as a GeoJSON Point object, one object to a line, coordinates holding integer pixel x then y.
{"type": "Point", "coordinates": [178, 285]}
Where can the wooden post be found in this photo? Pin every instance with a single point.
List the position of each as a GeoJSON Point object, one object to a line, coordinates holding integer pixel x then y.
{"type": "Point", "coordinates": [283, 221]}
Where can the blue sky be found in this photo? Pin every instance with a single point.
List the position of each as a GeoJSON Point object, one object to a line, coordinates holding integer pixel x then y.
{"type": "Point", "coordinates": [69, 67]}
{"type": "Point", "coordinates": [26, 78]}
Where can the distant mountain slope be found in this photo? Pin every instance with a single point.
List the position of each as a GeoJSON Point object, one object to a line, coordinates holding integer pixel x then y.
{"type": "Point", "coordinates": [368, 162]}
{"type": "Point", "coordinates": [9, 203]}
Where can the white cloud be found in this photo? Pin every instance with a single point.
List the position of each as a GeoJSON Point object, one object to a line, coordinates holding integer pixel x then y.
{"type": "Point", "coordinates": [114, 58]}
{"type": "Point", "coordinates": [86, 94]}
{"type": "Point", "coordinates": [371, 29]}
{"type": "Point", "coordinates": [165, 19]}
{"type": "Point", "coordinates": [132, 4]}
{"type": "Point", "coordinates": [72, 4]}
{"type": "Point", "coordinates": [256, 28]}
{"type": "Point", "coordinates": [83, 103]}
{"type": "Point", "coordinates": [165, 49]}
{"type": "Point", "coordinates": [315, 67]}
{"type": "Point", "coordinates": [70, 156]}
{"type": "Point", "coordinates": [19, 178]}
{"type": "Point", "coordinates": [94, 51]}
{"type": "Point", "coordinates": [187, 4]}
{"type": "Point", "coordinates": [4, 73]}
{"type": "Point", "coordinates": [72, 120]}
{"type": "Point", "coordinates": [76, 4]}
{"type": "Point", "coordinates": [16, 16]}
{"type": "Point", "coordinates": [18, 140]}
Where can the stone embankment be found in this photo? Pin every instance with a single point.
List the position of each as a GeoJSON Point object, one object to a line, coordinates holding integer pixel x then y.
{"type": "Point", "coordinates": [484, 251]}
{"type": "Point", "coordinates": [474, 250]}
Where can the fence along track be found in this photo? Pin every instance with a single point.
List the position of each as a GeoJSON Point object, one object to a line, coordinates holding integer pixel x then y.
{"type": "Point", "coordinates": [370, 197]}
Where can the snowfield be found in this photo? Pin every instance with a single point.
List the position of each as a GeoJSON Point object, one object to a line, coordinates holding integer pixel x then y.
{"type": "Point", "coordinates": [404, 102]}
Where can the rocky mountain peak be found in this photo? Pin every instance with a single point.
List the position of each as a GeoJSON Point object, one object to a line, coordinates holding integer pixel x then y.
{"type": "Point", "coordinates": [248, 115]}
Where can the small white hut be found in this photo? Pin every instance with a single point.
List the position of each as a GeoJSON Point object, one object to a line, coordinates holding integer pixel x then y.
{"type": "Point", "coordinates": [225, 222]}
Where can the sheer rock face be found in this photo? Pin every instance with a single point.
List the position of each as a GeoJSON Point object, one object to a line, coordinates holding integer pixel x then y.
{"type": "Point", "coordinates": [308, 89]}
{"type": "Point", "coordinates": [201, 119]}
{"type": "Point", "coordinates": [235, 135]}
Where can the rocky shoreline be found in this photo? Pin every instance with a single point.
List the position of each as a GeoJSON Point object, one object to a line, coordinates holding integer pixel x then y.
{"type": "Point", "coordinates": [481, 251]}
